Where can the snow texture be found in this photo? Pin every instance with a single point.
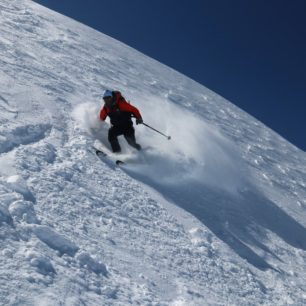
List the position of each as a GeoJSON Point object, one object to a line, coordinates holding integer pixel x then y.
{"type": "Point", "coordinates": [215, 216]}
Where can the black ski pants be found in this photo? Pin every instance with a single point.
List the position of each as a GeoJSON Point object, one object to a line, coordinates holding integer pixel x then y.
{"type": "Point", "coordinates": [129, 134]}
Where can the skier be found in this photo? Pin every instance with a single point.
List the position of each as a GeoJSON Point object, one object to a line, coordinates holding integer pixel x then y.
{"type": "Point", "coordinates": [120, 113]}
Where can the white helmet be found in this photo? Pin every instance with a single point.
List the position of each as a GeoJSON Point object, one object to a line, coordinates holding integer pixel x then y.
{"type": "Point", "coordinates": [107, 93]}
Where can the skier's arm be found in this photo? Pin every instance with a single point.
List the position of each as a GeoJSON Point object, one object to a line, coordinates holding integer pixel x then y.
{"type": "Point", "coordinates": [126, 107]}
{"type": "Point", "coordinates": [103, 114]}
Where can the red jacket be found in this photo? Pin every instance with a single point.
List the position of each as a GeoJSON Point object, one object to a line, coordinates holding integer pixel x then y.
{"type": "Point", "coordinates": [120, 111]}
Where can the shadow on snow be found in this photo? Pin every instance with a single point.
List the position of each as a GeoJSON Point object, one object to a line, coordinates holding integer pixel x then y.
{"type": "Point", "coordinates": [240, 220]}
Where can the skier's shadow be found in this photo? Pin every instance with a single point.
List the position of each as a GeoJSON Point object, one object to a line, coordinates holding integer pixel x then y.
{"type": "Point", "coordinates": [241, 221]}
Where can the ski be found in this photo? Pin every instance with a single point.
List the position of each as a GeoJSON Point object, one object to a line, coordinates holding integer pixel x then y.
{"type": "Point", "coordinates": [102, 154]}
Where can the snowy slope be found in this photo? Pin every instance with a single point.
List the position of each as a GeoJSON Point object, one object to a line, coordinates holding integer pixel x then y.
{"type": "Point", "coordinates": [216, 216]}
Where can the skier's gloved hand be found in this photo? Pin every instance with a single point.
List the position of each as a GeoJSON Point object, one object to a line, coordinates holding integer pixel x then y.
{"type": "Point", "coordinates": [139, 121]}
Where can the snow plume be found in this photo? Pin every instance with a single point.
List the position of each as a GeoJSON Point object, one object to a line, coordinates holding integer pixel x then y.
{"type": "Point", "coordinates": [87, 117]}
{"type": "Point", "coordinates": [196, 152]}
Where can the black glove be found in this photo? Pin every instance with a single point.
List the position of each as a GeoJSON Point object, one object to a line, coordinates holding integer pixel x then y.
{"type": "Point", "coordinates": [139, 121]}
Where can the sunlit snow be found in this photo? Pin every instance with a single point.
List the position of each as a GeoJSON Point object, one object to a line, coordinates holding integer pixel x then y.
{"type": "Point", "coordinates": [214, 216]}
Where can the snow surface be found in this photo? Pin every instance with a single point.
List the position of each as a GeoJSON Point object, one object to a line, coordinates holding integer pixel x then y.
{"type": "Point", "coordinates": [216, 216]}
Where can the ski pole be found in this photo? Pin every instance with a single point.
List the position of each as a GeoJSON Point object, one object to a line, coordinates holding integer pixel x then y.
{"type": "Point", "coordinates": [168, 137]}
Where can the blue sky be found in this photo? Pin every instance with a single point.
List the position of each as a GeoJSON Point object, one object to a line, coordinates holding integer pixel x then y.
{"type": "Point", "coordinates": [253, 52]}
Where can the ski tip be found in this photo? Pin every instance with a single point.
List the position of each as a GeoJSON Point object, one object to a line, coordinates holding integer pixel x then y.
{"type": "Point", "coordinates": [100, 153]}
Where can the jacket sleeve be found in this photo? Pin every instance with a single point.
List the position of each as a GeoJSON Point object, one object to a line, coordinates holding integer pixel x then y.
{"type": "Point", "coordinates": [103, 114]}
{"type": "Point", "coordinates": [126, 107]}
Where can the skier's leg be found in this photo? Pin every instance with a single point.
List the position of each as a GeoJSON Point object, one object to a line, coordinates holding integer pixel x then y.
{"type": "Point", "coordinates": [113, 134]}
{"type": "Point", "coordinates": [129, 135]}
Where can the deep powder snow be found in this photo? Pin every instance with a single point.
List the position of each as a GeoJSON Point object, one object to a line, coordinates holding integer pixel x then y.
{"type": "Point", "coordinates": [215, 216]}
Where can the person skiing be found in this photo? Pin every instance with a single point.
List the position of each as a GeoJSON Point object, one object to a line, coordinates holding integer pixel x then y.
{"type": "Point", "coordinates": [120, 113]}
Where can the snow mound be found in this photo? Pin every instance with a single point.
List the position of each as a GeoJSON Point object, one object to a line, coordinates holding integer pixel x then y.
{"type": "Point", "coordinates": [54, 240]}
{"type": "Point", "coordinates": [85, 260]}
{"type": "Point", "coordinates": [42, 264]}
{"type": "Point", "coordinates": [17, 184]}
{"type": "Point", "coordinates": [22, 135]}
{"type": "Point", "coordinates": [23, 211]}
{"type": "Point", "coordinates": [4, 214]}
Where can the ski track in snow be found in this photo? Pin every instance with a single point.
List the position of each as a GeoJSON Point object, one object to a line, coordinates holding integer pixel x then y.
{"type": "Point", "coordinates": [216, 216]}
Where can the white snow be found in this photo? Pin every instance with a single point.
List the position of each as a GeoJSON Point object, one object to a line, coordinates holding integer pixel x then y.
{"type": "Point", "coordinates": [53, 240]}
{"type": "Point", "coordinates": [215, 216]}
